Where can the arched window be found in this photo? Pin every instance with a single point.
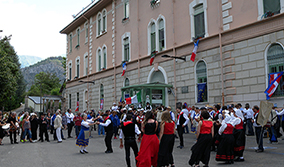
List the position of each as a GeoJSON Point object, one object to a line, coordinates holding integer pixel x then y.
{"type": "Point", "coordinates": [70, 70]}
{"type": "Point", "coordinates": [99, 59]}
{"type": "Point", "coordinates": [77, 68]}
{"type": "Point", "coordinates": [104, 58]}
{"type": "Point", "coordinates": [153, 37]}
{"type": "Point", "coordinates": [161, 35]}
{"type": "Point", "coordinates": [78, 37]}
{"type": "Point", "coordinates": [86, 32]}
{"type": "Point", "coordinates": [275, 62]}
{"type": "Point", "coordinates": [86, 64]}
{"type": "Point", "coordinates": [201, 77]}
{"type": "Point", "coordinates": [126, 82]}
{"type": "Point", "coordinates": [99, 20]}
{"type": "Point", "coordinates": [70, 42]}
{"type": "Point", "coordinates": [101, 96]}
{"type": "Point", "coordinates": [104, 20]}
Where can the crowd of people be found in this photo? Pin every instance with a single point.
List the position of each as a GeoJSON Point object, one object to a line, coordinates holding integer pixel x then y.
{"type": "Point", "coordinates": [220, 129]}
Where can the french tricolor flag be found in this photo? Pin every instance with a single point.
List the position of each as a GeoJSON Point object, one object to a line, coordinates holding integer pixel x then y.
{"type": "Point", "coordinates": [77, 108]}
{"type": "Point", "coordinates": [192, 58]}
{"type": "Point", "coordinates": [274, 80]}
{"type": "Point", "coordinates": [124, 68]}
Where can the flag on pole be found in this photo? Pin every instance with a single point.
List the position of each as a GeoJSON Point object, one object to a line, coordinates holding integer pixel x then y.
{"type": "Point", "coordinates": [134, 99]}
{"type": "Point", "coordinates": [274, 80]}
{"type": "Point", "coordinates": [77, 108]}
{"type": "Point", "coordinates": [192, 58]}
{"type": "Point", "coordinates": [153, 54]}
{"type": "Point", "coordinates": [124, 68]}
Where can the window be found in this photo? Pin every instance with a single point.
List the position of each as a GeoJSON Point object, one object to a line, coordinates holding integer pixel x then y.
{"type": "Point", "coordinates": [198, 18]}
{"type": "Point", "coordinates": [201, 77]}
{"type": "Point", "coordinates": [78, 37]}
{"type": "Point", "coordinates": [78, 67]}
{"type": "Point", "coordinates": [126, 82]}
{"type": "Point", "coordinates": [99, 19]}
{"type": "Point", "coordinates": [104, 58]}
{"type": "Point", "coordinates": [70, 101]}
{"type": "Point", "coordinates": [161, 35]}
{"type": "Point", "coordinates": [86, 32]}
{"type": "Point", "coordinates": [153, 37]}
{"type": "Point", "coordinates": [99, 60]}
{"type": "Point", "coordinates": [101, 96]}
{"type": "Point", "coordinates": [70, 71]}
{"type": "Point", "coordinates": [126, 9]}
{"type": "Point", "coordinates": [104, 21]}
{"type": "Point", "coordinates": [275, 61]}
{"type": "Point", "coordinates": [272, 6]}
{"type": "Point", "coordinates": [86, 64]}
{"type": "Point", "coordinates": [77, 96]}
{"type": "Point", "coordinates": [199, 25]}
{"type": "Point", "coordinates": [126, 48]}
{"type": "Point", "coordinates": [70, 42]}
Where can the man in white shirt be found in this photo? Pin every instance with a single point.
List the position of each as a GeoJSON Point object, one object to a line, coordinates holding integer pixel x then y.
{"type": "Point", "coordinates": [58, 125]}
{"type": "Point", "coordinates": [108, 125]}
{"type": "Point", "coordinates": [248, 114]}
{"type": "Point", "coordinates": [182, 121]}
{"type": "Point", "coordinates": [70, 122]}
{"type": "Point", "coordinates": [114, 107]}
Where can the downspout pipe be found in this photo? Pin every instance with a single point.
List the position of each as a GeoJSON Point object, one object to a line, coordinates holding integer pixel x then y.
{"type": "Point", "coordinates": [220, 48]}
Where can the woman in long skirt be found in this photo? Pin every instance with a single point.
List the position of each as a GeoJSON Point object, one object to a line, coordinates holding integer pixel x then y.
{"type": "Point", "coordinates": [201, 149]}
{"type": "Point", "coordinates": [83, 138]}
{"type": "Point", "coordinates": [148, 154]}
{"type": "Point", "coordinates": [167, 140]}
{"type": "Point", "coordinates": [226, 146]}
{"type": "Point", "coordinates": [239, 135]}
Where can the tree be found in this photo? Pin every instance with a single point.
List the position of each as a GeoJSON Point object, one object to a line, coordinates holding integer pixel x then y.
{"type": "Point", "coordinates": [11, 83]}
{"type": "Point", "coordinates": [44, 83]}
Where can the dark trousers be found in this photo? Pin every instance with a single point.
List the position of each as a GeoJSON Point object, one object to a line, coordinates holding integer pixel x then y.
{"type": "Point", "coordinates": [259, 137]}
{"type": "Point", "coordinates": [248, 124]}
{"type": "Point", "coordinates": [52, 129]}
{"type": "Point", "coordinates": [186, 129]}
{"type": "Point", "coordinates": [77, 130]}
{"type": "Point", "coordinates": [108, 138]}
{"type": "Point", "coordinates": [130, 143]}
{"type": "Point", "coordinates": [15, 136]}
{"type": "Point", "coordinates": [70, 126]}
{"type": "Point", "coordinates": [44, 130]}
{"type": "Point", "coordinates": [34, 134]}
{"type": "Point", "coordinates": [180, 130]}
{"type": "Point", "coordinates": [115, 131]}
{"type": "Point", "coordinates": [272, 132]}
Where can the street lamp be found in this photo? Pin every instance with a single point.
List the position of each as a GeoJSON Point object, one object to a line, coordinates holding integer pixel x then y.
{"type": "Point", "coordinates": [174, 57]}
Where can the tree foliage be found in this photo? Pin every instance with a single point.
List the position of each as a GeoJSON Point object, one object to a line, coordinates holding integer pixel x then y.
{"type": "Point", "coordinates": [45, 84]}
{"type": "Point", "coordinates": [11, 80]}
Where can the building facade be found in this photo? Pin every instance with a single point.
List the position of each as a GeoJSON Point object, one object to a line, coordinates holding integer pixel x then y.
{"type": "Point", "coordinates": [241, 43]}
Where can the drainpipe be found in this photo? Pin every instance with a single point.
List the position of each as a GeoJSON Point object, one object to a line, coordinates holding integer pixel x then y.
{"type": "Point", "coordinates": [114, 65]}
{"type": "Point", "coordinates": [220, 48]}
{"type": "Point", "coordinates": [88, 43]}
{"type": "Point", "coordinates": [174, 53]}
{"type": "Point", "coordinates": [139, 55]}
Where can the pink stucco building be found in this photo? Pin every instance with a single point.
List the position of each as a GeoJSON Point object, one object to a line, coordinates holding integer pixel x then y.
{"type": "Point", "coordinates": [241, 43]}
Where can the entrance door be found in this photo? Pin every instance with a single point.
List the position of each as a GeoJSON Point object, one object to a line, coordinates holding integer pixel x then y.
{"type": "Point", "coordinates": [157, 97]}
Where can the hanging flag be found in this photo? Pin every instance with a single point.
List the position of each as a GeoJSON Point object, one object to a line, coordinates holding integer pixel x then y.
{"type": "Point", "coordinates": [102, 104]}
{"type": "Point", "coordinates": [134, 99]}
{"type": "Point", "coordinates": [153, 54]}
{"type": "Point", "coordinates": [201, 87]}
{"type": "Point", "coordinates": [77, 108]}
{"type": "Point", "coordinates": [274, 80]}
{"type": "Point", "coordinates": [192, 58]}
{"type": "Point", "coordinates": [124, 68]}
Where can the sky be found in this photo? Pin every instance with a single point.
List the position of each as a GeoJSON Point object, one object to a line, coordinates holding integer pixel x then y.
{"type": "Point", "coordinates": [35, 24]}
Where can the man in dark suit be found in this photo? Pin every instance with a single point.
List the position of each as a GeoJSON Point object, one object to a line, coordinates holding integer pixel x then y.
{"type": "Point", "coordinates": [43, 128]}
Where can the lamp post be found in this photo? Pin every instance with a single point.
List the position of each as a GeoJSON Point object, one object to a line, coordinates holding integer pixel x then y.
{"type": "Point", "coordinates": [174, 57]}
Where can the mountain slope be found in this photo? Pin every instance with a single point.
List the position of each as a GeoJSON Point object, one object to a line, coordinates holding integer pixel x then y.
{"type": "Point", "coordinates": [51, 65]}
{"type": "Point", "coordinates": [28, 60]}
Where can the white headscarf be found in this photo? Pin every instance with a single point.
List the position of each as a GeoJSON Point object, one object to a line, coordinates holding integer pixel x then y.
{"type": "Point", "coordinates": [227, 119]}
{"type": "Point", "coordinates": [239, 114]}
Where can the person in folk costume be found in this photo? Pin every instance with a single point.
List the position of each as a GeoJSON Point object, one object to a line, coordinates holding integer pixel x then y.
{"type": "Point", "coordinates": [140, 118]}
{"type": "Point", "coordinates": [148, 107]}
{"type": "Point", "coordinates": [258, 130]}
{"type": "Point", "coordinates": [108, 125]}
{"type": "Point", "coordinates": [83, 137]}
{"type": "Point", "coordinates": [167, 140]}
{"type": "Point", "coordinates": [148, 154]}
{"type": "Point", "coordinates": [195, 119]}
{"type": "Point", "coordinates": [128, 130]}
{"type": "Point", "coordinates": [225, 150]}
{"type": "Point", "coordinates": [201, 149]}
{"type": "Point", "coordinates": [216, 123]}
{"type": "Point", "coordinates": [211, 111]}
{"type": "Point", "coordinates": [239, 135]}
{"type": "Point", "coordinates": [182, 121]}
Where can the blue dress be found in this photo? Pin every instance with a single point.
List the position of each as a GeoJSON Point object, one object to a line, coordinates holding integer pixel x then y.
{"type": "Point", "coordinates": [83, 137]}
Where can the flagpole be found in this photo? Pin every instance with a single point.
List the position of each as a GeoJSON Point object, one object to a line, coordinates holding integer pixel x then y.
{"type": "Point", "coordinates": [221, 55]}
